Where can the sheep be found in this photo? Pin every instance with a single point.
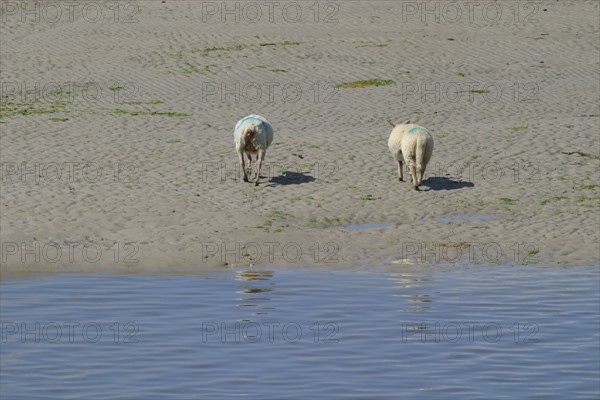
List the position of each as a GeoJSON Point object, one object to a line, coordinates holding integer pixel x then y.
{"type": "Point", "coordinates": [415, 143]}
{"type": "Point", "coordinates": [253, 134]}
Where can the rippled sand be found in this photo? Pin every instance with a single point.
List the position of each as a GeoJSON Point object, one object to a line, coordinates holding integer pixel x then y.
{"type": "Point", "coordinates": [143, 139]}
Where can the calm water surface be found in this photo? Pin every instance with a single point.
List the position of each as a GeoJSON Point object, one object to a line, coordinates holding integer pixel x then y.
{"type": "Point", "coordinates": [487, 332]}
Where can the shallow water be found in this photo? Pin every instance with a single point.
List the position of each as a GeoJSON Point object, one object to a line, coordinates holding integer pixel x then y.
{"type": "Point", "coordinates": [485, 332]}
{"type": "Point", "coordinates": [372, 225]}
{"type": "Point", "coordinates": [468, 218]}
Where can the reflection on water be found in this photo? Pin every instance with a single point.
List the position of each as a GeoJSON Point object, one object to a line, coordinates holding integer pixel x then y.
{"type": "Point", "coordinates": [254, 275]}
{"type": "Point", "coordinates": [260, 283]}
{"type": "Point", "coordinates": [409, 287]}
{"type": "Point", "coordinates": [502, 332]}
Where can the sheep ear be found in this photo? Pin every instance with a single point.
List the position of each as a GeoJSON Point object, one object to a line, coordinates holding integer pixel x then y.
{"type": "Point", "coordinates": [407, 122]}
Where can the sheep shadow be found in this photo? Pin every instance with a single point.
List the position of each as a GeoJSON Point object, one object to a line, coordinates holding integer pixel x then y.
{"type": "Point", "coordinates": [443, 183]}
{"type": "Point", "coordinates": [291, 178]}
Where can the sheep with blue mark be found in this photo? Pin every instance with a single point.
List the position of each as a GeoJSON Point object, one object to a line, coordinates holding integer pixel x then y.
{"type": "Point", "coordinates": [413, 143]}
{"type": "Point", "coordinates": [253, 134]}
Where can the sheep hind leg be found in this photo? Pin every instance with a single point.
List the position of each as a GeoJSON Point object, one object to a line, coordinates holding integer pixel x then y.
{"type": "Point", "coordinates": [421, 174]}
{"type": "Point", "coordinates": [400, 172]}
{"type": "Point", "coordinates": [249, 162]}
{"type": "Point", "coordinates": [413, 175]}
{"type": "Point", "coordinates": [259, 160]}
{"type": "Point", "coordinates": [243, 166]}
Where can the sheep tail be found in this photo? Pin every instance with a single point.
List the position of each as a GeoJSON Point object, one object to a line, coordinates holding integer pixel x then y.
{"type": "Point", "coordinates": [249, 134]}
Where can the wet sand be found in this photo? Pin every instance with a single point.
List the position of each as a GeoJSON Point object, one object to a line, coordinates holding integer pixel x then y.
{"type": "Point", "coordinates": [120, 154]}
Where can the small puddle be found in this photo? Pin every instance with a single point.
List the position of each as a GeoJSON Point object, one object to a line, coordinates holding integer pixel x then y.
{"type": "Point", "coordinates": [468, 217]}
{"type": "Point", "coordinates": [372, 225]}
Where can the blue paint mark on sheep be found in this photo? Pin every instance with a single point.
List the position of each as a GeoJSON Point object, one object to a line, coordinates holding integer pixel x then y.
{"type": "Point", "coordinates": [416, 129]}
{"type": "Point", "coordinates": [248, 118]}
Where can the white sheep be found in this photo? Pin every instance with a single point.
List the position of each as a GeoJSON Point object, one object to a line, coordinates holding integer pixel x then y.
{"type": "Point", "coordinates": [253, 135]}
{"type": "Point", "coordinates": [415, 143]}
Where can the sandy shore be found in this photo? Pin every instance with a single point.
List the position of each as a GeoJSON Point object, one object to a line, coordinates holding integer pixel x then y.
{"type": "Point", "coordinates": [117, 148]}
